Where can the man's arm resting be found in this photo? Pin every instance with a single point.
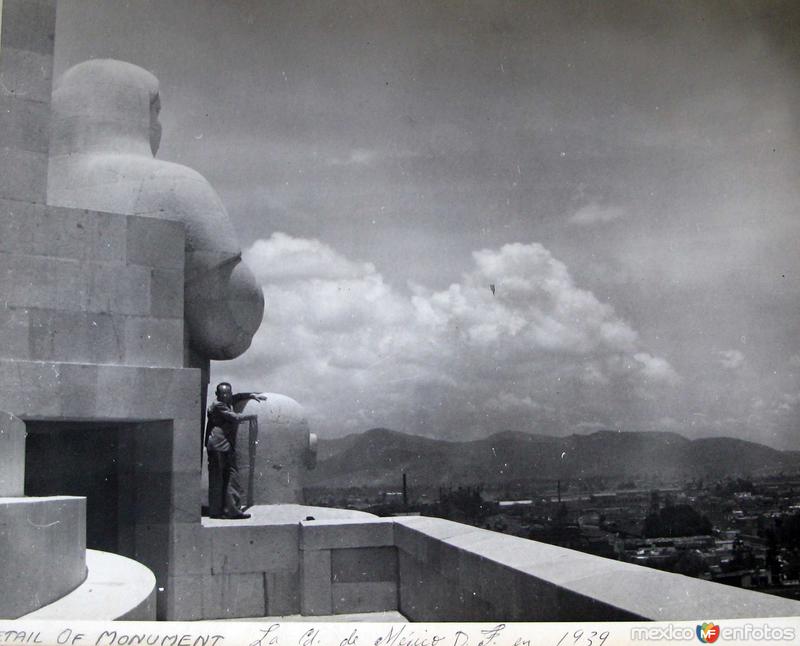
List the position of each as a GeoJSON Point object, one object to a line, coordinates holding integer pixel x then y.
{"type": "Point", "coordinates": [254, 396]}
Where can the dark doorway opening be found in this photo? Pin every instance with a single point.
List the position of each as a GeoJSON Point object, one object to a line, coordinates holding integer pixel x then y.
{"type": "Point", "coordinates": [63, 459]}
{"type": "Point", "coordinates": [123, 469]}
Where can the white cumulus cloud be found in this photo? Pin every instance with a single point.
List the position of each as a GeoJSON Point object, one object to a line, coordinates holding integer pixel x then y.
{"type": "Point", "coordinates": [656, 367]}
{"type": "Point", "coordinates": [538, 352]}
{"type": "Point", "coordinates": [283, 257]}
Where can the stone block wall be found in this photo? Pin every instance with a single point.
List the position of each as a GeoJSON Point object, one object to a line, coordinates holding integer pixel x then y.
{"type": "Point", "coordinates": [235, 571]}
{"type": "Point", "coordinates": [115, 589]}
{"type": "Point", "coordinates": [348, 566]}
{"type": "Point", "coordinates": [92, 315]}
{"type": "Point", "coordinates": [42, 551]}
{"type": "Point", "coordinates": [159, 408]}
{"type": "Point", "coordinates": [454, 572]}
{"type": "Point", "coordinates": [26, 69]}
{"type": "Point", "coordinates": [88, 287]}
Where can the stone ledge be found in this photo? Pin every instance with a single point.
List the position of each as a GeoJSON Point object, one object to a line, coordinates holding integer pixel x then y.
{"type": "Point", "coordinates": [115, 588]}
{"type": "Point", "coordinates": [526, 580]}
{"type": "Point", "coordinates": [99, 392]}
{"type": "Point", "coordinates": [338, 534]}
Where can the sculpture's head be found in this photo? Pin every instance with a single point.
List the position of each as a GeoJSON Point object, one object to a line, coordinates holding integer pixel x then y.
{"type": "Point", "coordinates": [106, 105]}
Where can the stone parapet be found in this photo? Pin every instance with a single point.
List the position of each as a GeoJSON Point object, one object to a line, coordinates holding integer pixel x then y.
{"type": "Point", "coordinates": [429, 569]}
{"type": "Point", "coordinates": [450, 571]}
{"type": "Point", "coordinates": [348, 566]}
{"type": "Point", "coordinates": [251, 568]}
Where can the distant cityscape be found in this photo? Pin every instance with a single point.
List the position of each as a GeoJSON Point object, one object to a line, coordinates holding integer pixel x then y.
{"type": "Point", "coordinates": [735, 530]}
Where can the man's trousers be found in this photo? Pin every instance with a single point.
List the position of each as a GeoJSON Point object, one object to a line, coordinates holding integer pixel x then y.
{"type": "Point", "coordinates": [223, 483]}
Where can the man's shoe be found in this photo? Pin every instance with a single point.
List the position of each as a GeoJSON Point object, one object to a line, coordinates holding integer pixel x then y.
{"type": "Point", "coordinates": [237, 516]}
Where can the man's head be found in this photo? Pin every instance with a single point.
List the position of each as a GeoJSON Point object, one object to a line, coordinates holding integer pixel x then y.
{"type": "Point", "coordinates": [225, 392]}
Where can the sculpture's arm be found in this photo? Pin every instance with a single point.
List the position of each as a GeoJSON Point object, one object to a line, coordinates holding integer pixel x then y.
{"type": "Point", "coordinates": [223, 303]}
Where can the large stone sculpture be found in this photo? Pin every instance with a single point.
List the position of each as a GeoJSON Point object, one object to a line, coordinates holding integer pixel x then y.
{"type": "Point", "coordinates": [105, 133]}
{"type": "Point", "coordinates": [275, 470]}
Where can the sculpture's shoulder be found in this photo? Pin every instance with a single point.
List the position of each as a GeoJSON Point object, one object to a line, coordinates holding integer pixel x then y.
{"type": "Point", "coordinates": [176, 182]}
{"type": "Point", "coordinates": [167, 171]}
{"type": "Point", "coordinates": [180, 193]}
{"type": "Point", "coordinates": [154, 177]}
{"type": "Point", "coordinates": [102, 182]}
{"type": "Point", "coordinates": [177, 188]}
{"type": "Point", "coordinates": [136, 184]}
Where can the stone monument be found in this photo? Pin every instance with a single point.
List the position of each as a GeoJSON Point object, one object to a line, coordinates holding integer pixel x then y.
{"type": "Point", "coordinates": [121, 278]}
{"type": "Point", "coordinates": [79, 358]}
{"type": "Point", "coordinates": [274, 469]}
{"type": "Point", "coordinates": [115, 298]}
{"type": "Point", "coordinates": [105, 134]}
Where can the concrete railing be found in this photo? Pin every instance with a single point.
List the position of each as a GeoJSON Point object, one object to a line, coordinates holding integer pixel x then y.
{"type": "Point", "coordinates": [437, 570]}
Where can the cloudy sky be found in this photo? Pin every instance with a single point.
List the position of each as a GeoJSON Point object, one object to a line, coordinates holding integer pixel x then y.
{"type": "Point", "coordinates": [625, 174]}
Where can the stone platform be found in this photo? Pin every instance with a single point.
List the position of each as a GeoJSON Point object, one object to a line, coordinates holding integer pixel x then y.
{"type": "Point", "coordinates": [116, 588]}
{"type": "Point", "coordinates": [344, 564]}
{"type": "Point", "coordinates": [253, 567]}
{"type": "Point", "coordinates": [286, 514]}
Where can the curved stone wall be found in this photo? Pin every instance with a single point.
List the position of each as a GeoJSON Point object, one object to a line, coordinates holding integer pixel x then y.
{"type": "Point", "coordinates": [116, 588]}
{"type": "Point", "coordinates": [42, 551]}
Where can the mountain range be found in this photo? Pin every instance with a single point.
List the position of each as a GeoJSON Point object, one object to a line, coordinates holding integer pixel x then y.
{"type": "Point", "coordinates": [380, 456]}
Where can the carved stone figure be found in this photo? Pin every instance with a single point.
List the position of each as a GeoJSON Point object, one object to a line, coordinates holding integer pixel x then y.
{"type": "Point", "coordinates": [105, 133]}
{"type": "Point", "coordinates": [275, 470]}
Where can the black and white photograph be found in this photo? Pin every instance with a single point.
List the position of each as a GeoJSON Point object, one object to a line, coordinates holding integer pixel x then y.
{"type": "Point", "coordinates": [400, 311]}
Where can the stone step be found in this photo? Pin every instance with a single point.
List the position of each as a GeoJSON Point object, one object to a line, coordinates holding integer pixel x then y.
{"type": "Point", "coordinates": [115, 588]}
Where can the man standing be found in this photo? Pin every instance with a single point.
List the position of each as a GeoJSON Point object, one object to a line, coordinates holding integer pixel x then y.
{"type": "Point", "coordinates": [221, 428]}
